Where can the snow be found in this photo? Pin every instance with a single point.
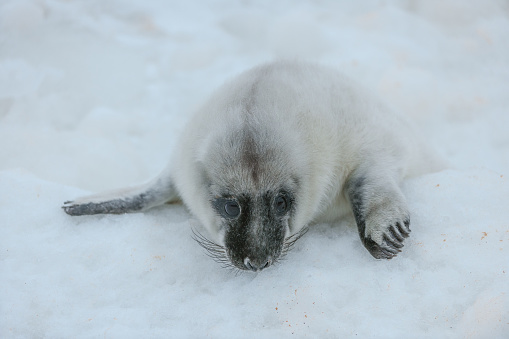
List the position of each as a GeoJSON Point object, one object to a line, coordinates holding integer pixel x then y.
{"type": "Point", "coordinates": [93, 95]}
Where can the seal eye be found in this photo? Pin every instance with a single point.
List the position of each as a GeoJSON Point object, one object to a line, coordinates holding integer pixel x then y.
{"type": "Point", "coordinates": [232, 209]}
{"type": "Point", "coordinates": [280, 204]}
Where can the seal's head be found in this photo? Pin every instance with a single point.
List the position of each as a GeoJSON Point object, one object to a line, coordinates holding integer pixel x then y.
{"type": "Point", "coordinates": [253, 182]}
{"type": "Point", "coordinates": [255, 226]}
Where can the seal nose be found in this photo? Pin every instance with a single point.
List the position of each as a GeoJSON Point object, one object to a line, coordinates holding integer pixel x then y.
{"type": "Point", "coordinates": [257, 266]}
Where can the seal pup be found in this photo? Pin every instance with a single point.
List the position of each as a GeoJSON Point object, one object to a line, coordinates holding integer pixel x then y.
{"type": "Point", "coordinates": [280, 147]}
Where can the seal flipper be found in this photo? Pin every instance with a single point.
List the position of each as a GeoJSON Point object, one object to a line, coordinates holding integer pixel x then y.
{"type": "Point", "coordinates": [380, 212]}
{"type": "Point", "coordinates": [128, 200]}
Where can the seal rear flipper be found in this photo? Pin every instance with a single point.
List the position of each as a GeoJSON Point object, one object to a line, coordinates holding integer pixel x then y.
{"type": "Point", "coordinates": [128, 200]}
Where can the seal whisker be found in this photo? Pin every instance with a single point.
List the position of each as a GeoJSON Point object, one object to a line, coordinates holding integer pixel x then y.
{"type": "Point", "coordinates": [213, 250]}
{"type": "Point", "coordinates": [290, 242]}
{"type": "Point", "coordinates": [238, 271]}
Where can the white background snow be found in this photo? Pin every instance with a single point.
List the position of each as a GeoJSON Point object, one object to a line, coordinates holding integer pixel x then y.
{"type": "Point", "coordinates": [93, 95]}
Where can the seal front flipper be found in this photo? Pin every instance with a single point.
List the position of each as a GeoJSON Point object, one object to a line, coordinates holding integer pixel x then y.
{"type": "Point", "coordinates": [128, 200]}
{"type": "Point", "coordinates": [380, 211]}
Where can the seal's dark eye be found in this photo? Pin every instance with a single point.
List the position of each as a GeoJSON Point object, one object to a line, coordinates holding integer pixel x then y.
{"type": "Point", "coordinates": [232, 209]}
{"type": "Point", "coordinates": [280, 204]}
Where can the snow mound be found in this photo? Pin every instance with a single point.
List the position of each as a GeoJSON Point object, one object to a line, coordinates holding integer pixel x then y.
{"type": "Point", "coordinates": [142, 275]}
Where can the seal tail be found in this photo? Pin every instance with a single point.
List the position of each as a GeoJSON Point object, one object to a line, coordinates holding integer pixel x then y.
{"type": "Point", "coordinates": [128, 200]}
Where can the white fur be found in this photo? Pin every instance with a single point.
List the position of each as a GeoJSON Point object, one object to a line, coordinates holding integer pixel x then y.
{"type": "Point", "coordinates": [338, 133]}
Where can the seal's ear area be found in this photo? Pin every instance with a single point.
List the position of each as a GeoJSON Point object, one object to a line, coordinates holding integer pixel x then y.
{"type": "Point", "coordinates": [207, 159]}
{"type": "Point", "coordinates": [203, 149]}
{"type": "Point", "coordinates": [127, 200]}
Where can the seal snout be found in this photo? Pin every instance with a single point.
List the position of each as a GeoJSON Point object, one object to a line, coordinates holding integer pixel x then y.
{"type": "Point", "coordinates": [257, 265]}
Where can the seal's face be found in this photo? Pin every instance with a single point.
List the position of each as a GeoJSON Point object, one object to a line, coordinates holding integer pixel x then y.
{"type": "Point", "coordinates": [255, 227]}
{"type": "Point", "coordinates": [254, 186]}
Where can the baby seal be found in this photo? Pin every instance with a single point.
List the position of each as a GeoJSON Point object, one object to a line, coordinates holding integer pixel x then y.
{"type": "Point", "coordinates": [280, 147]}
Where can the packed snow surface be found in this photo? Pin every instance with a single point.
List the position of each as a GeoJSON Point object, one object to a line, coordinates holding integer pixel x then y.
{"type": "Point", "coordinates": [93, 95]}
